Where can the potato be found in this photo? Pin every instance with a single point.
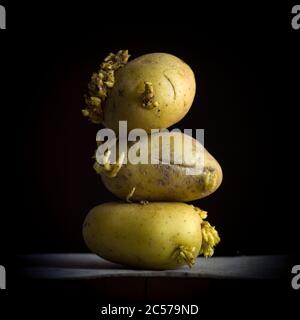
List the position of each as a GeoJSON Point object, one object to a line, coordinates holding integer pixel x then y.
{"type": "Point", "coordinates": [152, 91]}
{"type": "Point", "coordinates": [153, 236]}
{"type": "Point", "coordinates": [165, 182]}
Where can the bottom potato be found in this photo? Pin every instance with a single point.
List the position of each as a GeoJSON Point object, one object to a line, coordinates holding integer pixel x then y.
{"type": "Point", "coordinates": [159, 235]}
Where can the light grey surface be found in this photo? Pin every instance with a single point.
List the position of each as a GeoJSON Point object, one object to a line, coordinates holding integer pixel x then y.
{"type": "Point", "coordinates": [89, 266]}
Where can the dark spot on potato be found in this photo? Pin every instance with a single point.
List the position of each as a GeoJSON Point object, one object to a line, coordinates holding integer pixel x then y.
{"type": "Point", "coordinates": [161, 182]}
{"type": "Point", "coordinates": [121, 92]}
{"type": "Point", "coordinates": [165, 172]}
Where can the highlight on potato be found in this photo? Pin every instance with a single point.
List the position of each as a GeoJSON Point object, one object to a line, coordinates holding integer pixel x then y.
{"type": "Point", "coordinates": [158, 235]}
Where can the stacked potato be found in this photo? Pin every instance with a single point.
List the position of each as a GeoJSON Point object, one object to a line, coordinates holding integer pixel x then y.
{"type": "Point", "coordinates": [153, 91]}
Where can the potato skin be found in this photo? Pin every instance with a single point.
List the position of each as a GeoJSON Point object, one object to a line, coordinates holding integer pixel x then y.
{"type": "Point", "coordinates": [165, 182]}
{"type": "Point", "coordinates": [143, 235]}
{"type": "Point", "coordinates": [174, 89]}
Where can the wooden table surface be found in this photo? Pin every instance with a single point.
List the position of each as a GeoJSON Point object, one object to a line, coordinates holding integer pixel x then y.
{"type": "Point", "coordinates": [90, 266]}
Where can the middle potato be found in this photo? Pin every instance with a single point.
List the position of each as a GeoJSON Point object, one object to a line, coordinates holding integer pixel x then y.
{"type": "Point", "coordinates": [166, 180]}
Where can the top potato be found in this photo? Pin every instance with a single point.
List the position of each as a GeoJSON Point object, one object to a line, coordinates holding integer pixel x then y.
{"type": "Point", "coordinates": [152, 91]}
{"type": "Point", "coordinates": [173, 85]}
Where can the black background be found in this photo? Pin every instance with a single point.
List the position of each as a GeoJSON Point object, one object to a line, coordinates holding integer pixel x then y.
{"type": "Point", "coordinates": [245, 62]}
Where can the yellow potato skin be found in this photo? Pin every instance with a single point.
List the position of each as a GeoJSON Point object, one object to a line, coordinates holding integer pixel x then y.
{"type": "Point", "coordinates": [174, 90]}
{"type": "Point", "coordinates": [143, 235]}
{"type": "Point", "coordinates": [161, 182]}
{"type": "Point", "coordinates": [165, 182]}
